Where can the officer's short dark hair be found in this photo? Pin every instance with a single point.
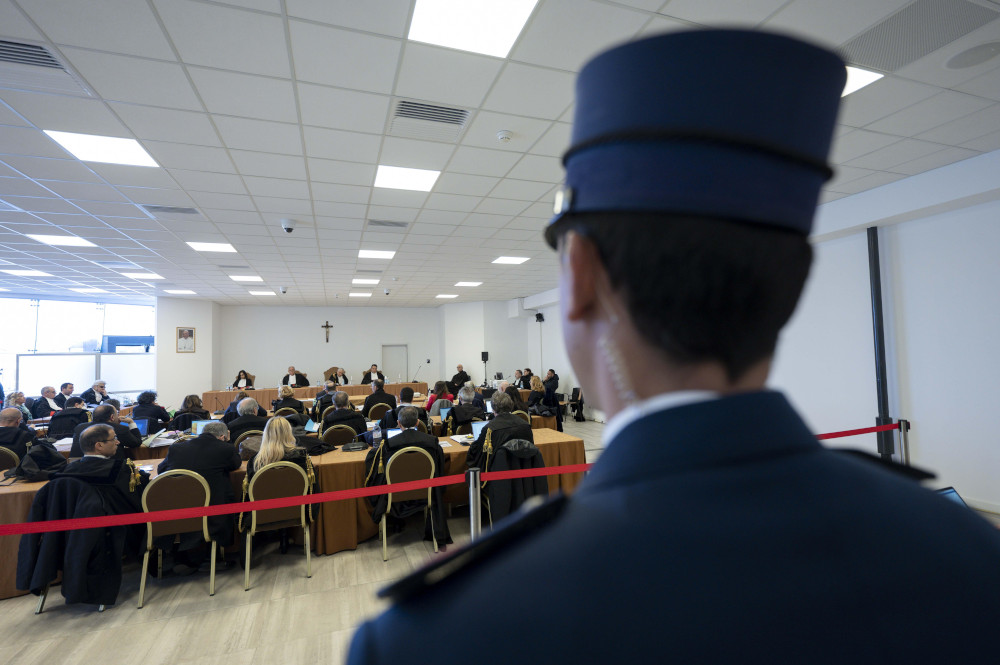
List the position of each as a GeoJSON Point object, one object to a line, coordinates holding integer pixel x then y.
{"type": "Point", "coordinates": [94, 435]}
{"type": "Point", "coordinates": [406, 394]}
{"type": "Point", "coordinates": [702, 289]}
{"type": "Point", "coordinates": [73, 402]}
{"type": "Point", "coordinates": [103, 413]}
{"type": "Point", "coordinates": [408, 416]}
{"type": "Point", "coordinates": [64, 386]}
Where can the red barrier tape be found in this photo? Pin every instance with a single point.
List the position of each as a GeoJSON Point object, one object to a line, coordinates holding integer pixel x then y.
{"type": "Point", "coordinates": [339, 495]}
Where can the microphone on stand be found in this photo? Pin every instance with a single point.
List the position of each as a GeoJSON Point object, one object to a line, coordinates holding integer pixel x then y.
{"type": "Point", "coordinates": [414, 380]}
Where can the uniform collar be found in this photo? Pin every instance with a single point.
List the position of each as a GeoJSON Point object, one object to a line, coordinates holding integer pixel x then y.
{"type": "Point", "coordinates": [634, 412]}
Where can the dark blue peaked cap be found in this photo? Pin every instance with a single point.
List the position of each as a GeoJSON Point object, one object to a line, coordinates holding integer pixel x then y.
{"type": "Point", "coordinates": [723, 123]}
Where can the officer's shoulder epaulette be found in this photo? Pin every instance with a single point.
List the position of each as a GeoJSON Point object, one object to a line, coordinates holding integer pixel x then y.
{"type": "Point", "coordinates": [534, 515]}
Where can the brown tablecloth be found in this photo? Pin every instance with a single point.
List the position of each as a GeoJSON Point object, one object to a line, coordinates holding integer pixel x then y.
{"type": "Point", "coordinates": [339, 525]}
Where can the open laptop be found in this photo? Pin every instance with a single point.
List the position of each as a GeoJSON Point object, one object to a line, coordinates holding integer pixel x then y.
{"type": "Point", "coordinates": [489, 407]}
{"type": "Point", "coordinates": [389, 433]}
{"type": "Point", "coordinates": [198, 425]}
{"type": "Point", "coordinates": [143, 425]}
{"type": "Point", "coordinates": [477, 428]}
{"type": "Point", "coordinates": [444, 413]}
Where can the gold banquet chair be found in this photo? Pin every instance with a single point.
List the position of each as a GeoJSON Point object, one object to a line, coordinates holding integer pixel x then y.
{"type": "Point", "coordinates": [523, 415]}
{"type": "Point", "coordinates": [178, 488]}
{"type": "Point", "coordinates": [378, 410]}
{"type": "Point", "coordinates": [339, 434]}
{"type": "Point", "coordinates": [322, 417]}
{"type": "Point", "coordinates": [275, 481]}
{"type": "Point", "coordinates": [285, 411]}
{"type": "Point", "coordinates": [410, 463]}
{"type": "Point", "coordinates": [244, 435]}
{"type": "Point", "coordinates": [8, 459]}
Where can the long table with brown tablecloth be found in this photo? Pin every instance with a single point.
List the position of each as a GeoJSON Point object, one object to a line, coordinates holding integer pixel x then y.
{"type": "Point", "coordinates": [217, 400]}
{"type": "Point", "coordinates": [339, 525]}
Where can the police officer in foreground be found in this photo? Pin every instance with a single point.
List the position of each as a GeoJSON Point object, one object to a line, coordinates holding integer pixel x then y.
{"type": "Point", "coordinates": [714, 528]}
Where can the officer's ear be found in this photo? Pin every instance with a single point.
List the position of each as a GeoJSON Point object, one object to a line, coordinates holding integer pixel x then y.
{"type": "Point", "coordinates": [580, 269]}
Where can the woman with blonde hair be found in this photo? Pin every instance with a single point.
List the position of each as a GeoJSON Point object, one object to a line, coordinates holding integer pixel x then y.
{"type": "Point", "coordinates": [286, 399]}
{"type": "Point", "coordinates": [16, 400]}
{"type": "Point", "coordinates": [277, 445]}
{"type": "Point", "coordinates": [537, 391]}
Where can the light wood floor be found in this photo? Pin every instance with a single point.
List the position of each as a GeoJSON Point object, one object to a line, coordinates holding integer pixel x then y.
{"type": "Point", "coordinates": [284, 618]}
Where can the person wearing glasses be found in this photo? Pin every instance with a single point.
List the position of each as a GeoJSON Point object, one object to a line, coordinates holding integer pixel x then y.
{"type": "Point", "coordinates": [115, 477]}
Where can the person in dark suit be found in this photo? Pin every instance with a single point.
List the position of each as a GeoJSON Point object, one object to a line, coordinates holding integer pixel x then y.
{"type": "Point", "coordinates": [45, 405]}
{"type": "Point", "coordinates": [378, 396]}
{"type": "Point", "coordinates": [372, 375]}
{"type": "Point", "coordinates": [286, 400]}
{"type": "Point", "coordinates": [464, 412]}
{"type": "Point", "coordinates": [65, 392]}
{"type": "Point", "coordinates": [344, 414]}
{"type": "Point", "coordinates": [125, 429]}
{"type": "Point", "coordinates": [13, 434]}
{"type": "Point", "coordinates": [551, 381]}
{"type": "Point", "coordinates": [391, 418]}
{"type": "Point", "coordinates": [211, 455]}
{"type": "Point", "coordinates": [503, 428]}
{"type": "Point", "coordinates": [192, 405]}
{"type": "Point", "coordinates": [65, 421]}
{"type": "Point", "coordinates": [675, 284]}
{"type": "Point", "coordinates": [148, 409]}
{"type": "Point", "coordinates": [459, 379]}
{"type": "Point", "coordinates": [231, 414]}
{"type": "Point", "coordinates": [323, 401]}
{"type": "Point", "coordinates": [378, 458]}
{"type": "Point", "coordinates": [96, 394]}
{"type": "Point", "coordinates": [294, 378]}
{"type": "Point", "coordinates": [247, 420]}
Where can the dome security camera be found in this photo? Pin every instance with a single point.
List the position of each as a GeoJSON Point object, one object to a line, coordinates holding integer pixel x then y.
{"type": "Point", "coordinates": [387, 292]}
{"type": "Point", "coordinates": [288, 225]}
{"type": "Point", "coordinates": [283, 289]}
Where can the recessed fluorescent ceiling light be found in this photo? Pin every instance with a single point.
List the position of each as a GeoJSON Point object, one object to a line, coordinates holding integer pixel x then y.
{"type": "Point", "coordinates": [375, 254]}
{"type": "Point", "coordinates": [89, 290]}
{"type": "Point", "coordinates": [355, 294]}
{"type": "Point", "coordinates": [857, 79]}
{"type": "Point", "coordinates": [27, 273]}
{"type": "Point", "coordinates": [446, 295]}
{"type": "Point", "coordinates": [262, 293]}
{"type": "Point", "coordinates": [211, 247]}
{"type": "Point", "coordinates": [180, 292]}
{"type": "Point", "coordinates": [141, 275]}
{"type": "Point", "coordinates": [513, 260]}
{"type": "Point", "coordinates": [4, 289]}
{"type": "Point", "coordinates": [68, 241]}
{"type": "Point", "coordinates": [480, 26]}
{"type": "Point", "coordinates": [358, 280]}
{"type": "Point", "coordinates": [104, 149]}
{"type": "Point", "coordinates": [397, 177]}
{"type": "Point", "coordinates": [246, 278]}
{"type": "Point", "coordinates": [467, 283]}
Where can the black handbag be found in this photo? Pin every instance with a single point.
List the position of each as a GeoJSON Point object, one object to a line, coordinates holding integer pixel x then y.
{"type": "Point", "coordinates": [41, 461]}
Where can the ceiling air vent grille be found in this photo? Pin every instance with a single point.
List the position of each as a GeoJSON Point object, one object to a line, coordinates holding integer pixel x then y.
{"type": "Point", "coordinates": [386, 224]}
{"type": "Point", "coordinates": [420, 120]}
{"type": "Point", "coordinates": [27, 54]}
{"type": "Point", "coordinates": [170, 210]}
{"type": "Point", "coordinates": [915, 31]}
{"type": "Point", "coordinates": [373, 272]}
{"type": "Point", "coordinates": [34, 68]}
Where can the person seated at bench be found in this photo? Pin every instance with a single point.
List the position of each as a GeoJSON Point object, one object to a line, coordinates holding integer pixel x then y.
{"type": "Point", "coordinates": [344, 414]}
{"type": "Point", "coordinates": [125, 429]}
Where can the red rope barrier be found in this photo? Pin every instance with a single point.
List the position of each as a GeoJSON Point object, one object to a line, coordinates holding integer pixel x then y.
{"type": "Point", "coordinates": [854, 432]}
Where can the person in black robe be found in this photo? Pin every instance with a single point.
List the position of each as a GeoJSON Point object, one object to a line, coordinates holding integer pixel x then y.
{"type": "Point", "coordinates": [64, 422]}
{"type": "Point", "coordinates": [148, 409]}
{"type": "Point", "coordinates": [323, 401]}
{"type": "Point", "coordinates": [503, 428]}
{"type": "Point", "coordinates": [551, 381]}
{"type": "Point", "coordinates": [231, 414]}
{"type": "Point", "coordinates": [65, 392]}
{"type": "Point", "coordinates": [286, 400]}
{"type": "Point", "coordinates": [375, 465]}
{"type": "Point", "coordinates": [125, 429]}
{"type": "Point", "coordinates": [242, 381]}
{"type": "Point", "coordinates": [294, 378]}
{"type": "Point", "coordinates": [371, 375]}
{"type": "Point", "coordinates": [391, 418]}
{"type": "Point", "coordinates": [340, 378]}
{"type": "Point", "coordinates": [457, 381]}
{"type": "Point", "coordinates": [464, 412]}
{"type": "Point", "coordinates": [13, 434]}
{"type": "Point", "coordinates": [96, 394]}
{"type": "Point", "coordinates": [45, 405]}
{"type": "Point", "coordinates": [248, 419]}
{"type": "Point", "coordinates": [345, 415]}
{"type": "Point", "coordinates": [378, 396]}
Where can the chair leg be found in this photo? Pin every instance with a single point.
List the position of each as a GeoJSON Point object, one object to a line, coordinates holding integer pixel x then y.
{"type": "Point", "coordinates": [142, 583]}
{"type": "Point", "coordinates": [211, 578]}
{"type": "Point", "coordinates": [101, 608]}
{"type": "Point", "coordinates": [41, 599]}
{"type": "Point", "coordinates": [434, 537]}
{"type": "Point", "coordinates": [305, 529]}
{"type": "Point", "coordinates": [246, 571]}
{"type": "Point", "coordinates": [381, 527]}
{"type": "Point", "coordinates": [159, 564]}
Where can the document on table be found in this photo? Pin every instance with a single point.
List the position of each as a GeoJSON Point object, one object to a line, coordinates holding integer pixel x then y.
{"type": "Point", "coordinates": [445, 444]}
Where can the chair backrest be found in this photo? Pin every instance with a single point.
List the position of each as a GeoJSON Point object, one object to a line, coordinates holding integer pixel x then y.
{"type": "Point", "coordinates": [523, 415]}
{"type": "Point", "coordinates": [330, 373]}
{"type": "Point", "coordinates": [248, 433]}
{"type": "Point", "coordinates": [422, 427]}
{"type": "Point", "coordinates": [438, 405]}
{"type": "Point", "coordinates": [329, 409]}
{"type": "Point", "coordinates": [378, 410]}
{"type": "Point", "coordinates": [285, 411]}
{"type": "Point", "coordinates": [274, 481]}
{"type": "Point", "coordinates": [8, 459]}
{"type": "Point", "coordinates": [575, 395]}
{"type": "Point", "coordinates": [182, 421]}
{"type": "Point", "coordinates": [465, 428]}
{"type": "Point", "coordinates": [249, 444]}
{"type": "Point", "coordinates": [410, 463]}
{"type": "Point", "coordinates": [178, 488]}
{"type": "Point", "coordinates": [339, 434]}
{"type": "Point", "coordinates": [252, 377]}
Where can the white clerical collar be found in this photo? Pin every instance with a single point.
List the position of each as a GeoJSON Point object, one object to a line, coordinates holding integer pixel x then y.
{"type": "Point", "coordinates": [52, 403]}
{"type": "Point", "coordinates": [634, 412]}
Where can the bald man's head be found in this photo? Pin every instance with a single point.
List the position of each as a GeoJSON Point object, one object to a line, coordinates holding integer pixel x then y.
{"type": "Point", "coordinates": [10, 417]}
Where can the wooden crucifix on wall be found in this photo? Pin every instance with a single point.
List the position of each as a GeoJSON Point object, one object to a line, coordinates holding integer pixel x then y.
{"type": "Point", "coordinates": [327, 326]}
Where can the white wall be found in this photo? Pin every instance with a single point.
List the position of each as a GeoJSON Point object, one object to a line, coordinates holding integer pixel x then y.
{"type": "Point", "coordinates": [506, 338]}
{"type": "Point", "coordinates": [462, 339]}
{"type": "Point", "coordinates": [180, 374]}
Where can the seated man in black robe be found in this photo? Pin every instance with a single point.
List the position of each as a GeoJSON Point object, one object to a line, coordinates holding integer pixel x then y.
{"type": "Point", "coordinates": [125, 429]}
{"type": "Point", "coordinates": [375, 465]}
{"type": "Point", "coordinates": [323, 401]}
{"type": "Point", "coordinates": [14, 435]}
{"type": "Point", "coordinates": [344, 414]}
{"type": "Point", "coordinates": [64, 422]}
{"type": "Point", "coordinates": [464, 412]}
{"type": "Point", "coordinates": [372, 375]}
{"type": "Point", "coordinates": [391, 418]}
{"type": "Point", "coordinates": [96, 394]}
{"type": "Point", "coordinates": [378, 396]}
{"type": "Point", "coordinates": [294, 378]}
{"type": "Point", "coordinates": [214, 457]}
{"type": "Point", "coordinates": [65, 392]}
{"type": "Point", "coordinates": [503, 428]}
{"type": "Point", "coordinates": [248, 419]}
{"type": "Point", "coordinates": [45, 405]}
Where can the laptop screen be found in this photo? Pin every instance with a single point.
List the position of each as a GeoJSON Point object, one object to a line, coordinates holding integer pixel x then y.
{"type": "Point", "coordinates": [477, 428]}
{"type": "Point", "coordinates": [143, 425]}
{"type": "Point", "coordinates": [198, 425]}
{"type": "Point", "coordinates": [489, 407]}
{"type": "Point", "coordinates": [444, 413]}
{"type": "Point", "coordinates": [389, 433]}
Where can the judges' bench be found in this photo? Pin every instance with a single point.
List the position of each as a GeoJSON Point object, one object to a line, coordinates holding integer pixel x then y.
{"type": "Point", "coordinates": [217, 400]}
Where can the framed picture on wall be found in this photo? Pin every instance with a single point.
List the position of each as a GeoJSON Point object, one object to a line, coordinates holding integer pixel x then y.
{"type": "Point", "coordinates": [185, 340]}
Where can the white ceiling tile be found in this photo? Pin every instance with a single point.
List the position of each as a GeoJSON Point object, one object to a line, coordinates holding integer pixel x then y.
{"type": "Point", "coordinates": [723, 12]}
{"type": "Point", "coordinates": [965, 129]}
{"type": "Point", "coordinates": [930, 113]}
{"type": "Point", "coordinates": [125, 79]}
{"type": "Point", "coordinates": [14, 25]}
{"type": "Point", "coordinates": [148, 122]}
{"type": "Point", "coordinates": [986, 143]}
{"type": "Point", "coordinates": [289, 189]}
{"type": "Point", "coordinates": [241, 217]}
{"type": "Point", "coordinates": [554, 142]}
{"type": "Point", "coordinates": [524, 190]}
{"type": "Point", "coordinates": [902, 151]}
{"type": "Point", "coordinates": [279, 208]}
{"type": "Point", "coordinates": [336, 108]}
{"type": "Point", "coordinates": [445, 76]}
{"type": "Point", "coordinates": [341, 193]}
{"type": "Point", "coordinates": [65, 113]}
{"type": "Point", "coordinates": [566, 33]}
{"type": "Point", "coordinates": [397, 197]}
{"type": "Point", "coordinates": [453, 202]}
{"type": "Point", "coordinates": [224, 201]}
{"type": "Point", "coordinates": [120, 26]}
{"type": "Point", "coordinates": [414, 154]}
{"type": "Point", "coordinates": [259, 135]}
{"type": "Point", "coordinates": [537, 167]}
{"type": "Point", "coordinates": [247, 95]}
{"type": "Point", "coordinates": [392, 213]}
{"type": "Point", "coordinates": [831, 23]}
{"type": "Point", "coordinates": [881, 98]}
{"type": "Point", "coordinates": [206, 181]}
{"type": "Point", "coordinates": [531, 91]}
{"type": "Point", "coordinates": [28, 141]}
{"type": "Point", "coordinates": [339, 209]}
{"type": "Point", "coordinates": [344, 173]}
{"type": "Point", "coordinates": [857, 142]}
{"type": "Point", "coordinates": [82, 190]}
{"type": "Point", "coordinates": [483, 133]}
{"type": "Point", "coordinates": [460, 183]}
{"type": "Point", "coordinates": [387, 17]}
{"type": "Point", "coordinates": [987, 85]}
{"type": "Point", "coordinates": [933, 68]}
{"type": "Point", "coordinates": [660, 25]}
{"type": "Point", "coordinates": [269, 165]}
{"type": "Point", "coordinates": [131, 176]}
{"type": "Point", "coordinates": [330, 56]}
{"type": "Point", "coordinates": [496, 206]}
{"type": "Point", "coordinates": [19, 186]}
{"type": "Point", "coordinates": [872, 181]}
{"type": "Point", "coordinates": [340, 145]}
{"type": "Point", "coordinates": [935, 160]}
{"type": "Point", "coordinates": [480, 161]}
{"type": "Point", "coordinates": [54, 205]}
{"type": "Point", "coordinates": [108, 209]}
{"type": "Point", "coordinates": [189, 157]}
{"type": "Point", "coordinates": [226, 38]}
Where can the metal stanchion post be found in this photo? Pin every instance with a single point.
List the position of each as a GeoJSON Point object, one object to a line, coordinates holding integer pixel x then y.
{"type": "Point", "coordinates": [904, 440]}
{"type": "Point", "coordinates": [475, 511]}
